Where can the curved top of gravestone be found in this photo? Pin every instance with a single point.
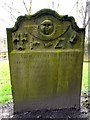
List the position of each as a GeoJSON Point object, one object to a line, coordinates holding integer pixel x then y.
{"type": "Point", "coordinates": [48, 12]}
{"type": "Point", "coordinates": [45, 29]}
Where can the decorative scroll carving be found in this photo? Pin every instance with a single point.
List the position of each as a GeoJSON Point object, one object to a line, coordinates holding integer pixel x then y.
{"type": "Point", "coordinates": [48, 44]}
{"type": "Point", "coordinates": [19, 40]}
{"type": "Point", "coordinates": [73, 39]}
{"type": "Point", "coordinates": [60, 43]}
{"type": "Point", "coordinates": [49, 37]}
{"type": "Point", "coordinates": [33, 43]}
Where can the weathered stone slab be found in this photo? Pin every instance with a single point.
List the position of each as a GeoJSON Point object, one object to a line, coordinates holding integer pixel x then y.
{"type": "Point", "coordinates": [46, 58]}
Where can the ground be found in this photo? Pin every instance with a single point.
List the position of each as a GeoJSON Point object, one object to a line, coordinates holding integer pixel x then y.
{"type": "Point", "coordinates": [6, 111]}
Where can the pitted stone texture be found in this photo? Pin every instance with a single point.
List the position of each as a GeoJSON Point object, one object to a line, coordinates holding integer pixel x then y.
{"type": "Point", "coordinates": [46, 58]}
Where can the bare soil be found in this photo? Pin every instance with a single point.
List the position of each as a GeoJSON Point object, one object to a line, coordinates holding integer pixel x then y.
{"type": "Point", "coordinates": [6, 111]}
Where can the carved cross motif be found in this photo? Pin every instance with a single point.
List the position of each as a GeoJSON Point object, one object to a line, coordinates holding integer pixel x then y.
{"type": "Point", "coordinates": [19, 40]}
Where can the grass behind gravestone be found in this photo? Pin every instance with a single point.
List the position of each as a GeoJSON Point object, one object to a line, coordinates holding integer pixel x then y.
{"type": "Point", "coordinates": [5, 87]}
{"type": "Point", "coordinates": [86, 77]}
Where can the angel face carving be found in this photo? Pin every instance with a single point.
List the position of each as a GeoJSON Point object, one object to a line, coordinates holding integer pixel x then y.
{"type": "Point", "coordinates": [47, 27]}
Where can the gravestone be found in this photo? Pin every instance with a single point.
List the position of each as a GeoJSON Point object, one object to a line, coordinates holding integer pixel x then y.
{"type": "Point", "coordinates": [46, 57]}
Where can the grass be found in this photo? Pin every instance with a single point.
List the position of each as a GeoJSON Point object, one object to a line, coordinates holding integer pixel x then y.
{"type": "Point", "coordinates": [5, 87]}
{"type": "Point", "coordinates": [85, 77]}
{"type": "Point", "coordinates": [86, 73]}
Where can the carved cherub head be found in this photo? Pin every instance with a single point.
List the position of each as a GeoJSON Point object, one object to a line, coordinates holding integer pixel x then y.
{"type": "Point", "coordinates": [46, 27]}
